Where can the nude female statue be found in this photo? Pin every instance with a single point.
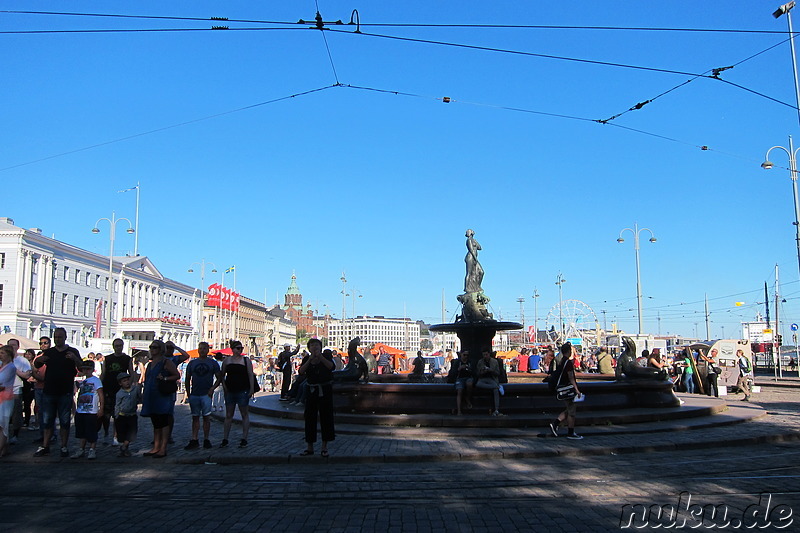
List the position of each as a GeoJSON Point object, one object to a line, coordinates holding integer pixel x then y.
{"type": "Point", "coordinates": [474, 278]}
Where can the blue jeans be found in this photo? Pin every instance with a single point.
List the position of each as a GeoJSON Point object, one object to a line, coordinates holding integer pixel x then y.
{"type": "Point", "coordinates": [59, 405]}
{"type": "Point", "coordinates": [688, 381]}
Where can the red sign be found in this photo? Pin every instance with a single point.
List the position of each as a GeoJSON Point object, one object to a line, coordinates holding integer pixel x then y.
{"type": "Point", "coordinates": [219, 296]}
{"type": "Point", "coordinates": [213, 295]}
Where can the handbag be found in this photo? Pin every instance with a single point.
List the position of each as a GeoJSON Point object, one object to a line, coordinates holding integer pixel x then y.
{"type": "Point", "coordinates": [166, 388]}
{"type": "Point", "coordinates": [565, 392]}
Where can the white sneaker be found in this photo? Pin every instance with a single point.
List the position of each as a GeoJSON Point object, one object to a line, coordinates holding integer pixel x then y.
{"type": "Point", "coordinates": [115, 442]}
{"type": "Point", "coordinates": [574, 436]}
{"type": "Point", "coordinates": [77, 454]}
{"type": "Point", "coordinates": [91, 454]}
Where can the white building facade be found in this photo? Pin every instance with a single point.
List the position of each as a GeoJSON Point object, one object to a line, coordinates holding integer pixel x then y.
{"type": "Point", "coordinates": [45, 284]}
{"type": "Point", "coordinates": [402, 333]}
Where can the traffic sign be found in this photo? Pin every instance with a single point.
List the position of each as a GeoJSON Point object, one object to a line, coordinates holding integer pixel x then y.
{"type": "Point", "coordinates": [794, 327]}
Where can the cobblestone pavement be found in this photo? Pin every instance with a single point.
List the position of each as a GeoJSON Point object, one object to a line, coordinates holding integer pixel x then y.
{"type": "Point", "coordinates": [393, 483]}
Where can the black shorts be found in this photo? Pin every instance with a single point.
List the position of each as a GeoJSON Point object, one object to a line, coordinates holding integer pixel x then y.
{"type": "Point", "coordinates": [159, 421]}
{"type": "Point", "coordinates": [86, 427]}
{"type": "Point", "coordinates": [126, 427]}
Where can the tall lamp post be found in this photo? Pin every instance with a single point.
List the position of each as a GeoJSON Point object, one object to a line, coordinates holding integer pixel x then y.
{"type": "Point", "coordinates": [767, 165]}
{"type": "Point", "coordinates": [202, 263]}
{"type": "Point", "coordinates": [535, 296]}
{"type": "Point", "coordinates": [636, 232]}
{"type": "Point", "coordinates": [344, 309]}
{"type": "Point", "coordinates": [113, 234]}
{"type": "Point", "coordinates": [560, 281]}
{"type": "Point", "coordinates": [786, 9]}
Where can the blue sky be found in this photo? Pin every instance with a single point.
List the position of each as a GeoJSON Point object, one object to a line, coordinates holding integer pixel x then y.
{"type": "Point", "coordinates": [383, 186]}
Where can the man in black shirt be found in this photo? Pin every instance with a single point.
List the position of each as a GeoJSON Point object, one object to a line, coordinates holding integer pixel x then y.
{"type": "Point", "coordinates": [285, 366]}
{"type": "Point", "coordinates": [115, 364]}
{"type": "Point", "coordinates": [59, 388]}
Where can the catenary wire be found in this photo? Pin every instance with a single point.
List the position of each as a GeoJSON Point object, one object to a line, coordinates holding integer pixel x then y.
{"type": "Point", "coordinates": [164, 128]}
{"type": "Point", "coordinates": [416, 25]}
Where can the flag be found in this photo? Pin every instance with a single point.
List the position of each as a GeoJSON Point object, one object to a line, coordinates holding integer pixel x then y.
{"type": "Point", "coordinates": [131, 189]}
{"type": "Point", "coordinates": [235, 301]}
{"type": "Point", "coordinates": [231, 269]}
{"type": "Point", "coordinates": [213, 295]}
{"type": "Point", "coordinates": [225, 299]}
{"type": "Point", "coordinates": [98, 318]}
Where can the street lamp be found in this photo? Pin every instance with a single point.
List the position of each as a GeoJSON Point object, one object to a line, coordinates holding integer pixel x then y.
{"type": "Point", "coordinates": [113, 223]}
{"type": "Point", "coordinates": [767, 165]}
{"type": "Point", "coordinates": [560, 281]}
{"type": "Point", "coordinates": [352, 293]}
{"type": "Point", "coordinates": [636, 231]}
{"type": "Point", "coordinates": [535, 295]}
{"type": "Point", "coordinates": [786, 9]}
{"type": "Point", "coordinates": [344, 308]}
{"type": "Point", "coordinates": [202, 263]}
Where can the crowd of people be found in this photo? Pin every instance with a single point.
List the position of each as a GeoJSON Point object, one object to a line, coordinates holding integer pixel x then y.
{"type": "Point", "coordinates": [54, 389]}
{"type": "Point", "coordinates": [109, 393]}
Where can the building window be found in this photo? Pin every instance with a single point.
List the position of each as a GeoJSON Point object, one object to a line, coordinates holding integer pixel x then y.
{"type": "Point", "coordinates": [32, 301]}
{"type": "Point", "coordinates": [66, 273]}
{"type": "Point", "coordinates": [77, 275]}
{"type": "Point", "coordinates": [2, 259]}
{"type": "Point", "coordinates": [88, 279]}
{"type": "Point", "coordinates": [1, 295]}
{"type": "Point", "coordinates": [64, 303]}
{"type": "Point", "coordinates": [97, 281]}
{"type": "Point", "coordinates": [75, 305]}
{"type": "Point", "coordinates": [86, 306]}
{"type": "Point", "coordinates": [52, 302]}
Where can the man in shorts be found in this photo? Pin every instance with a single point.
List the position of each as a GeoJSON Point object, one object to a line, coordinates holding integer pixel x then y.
{"type": "Point", "coordinates": [200, 376]}
{"type": "Point", "coordinates": [62, 362]}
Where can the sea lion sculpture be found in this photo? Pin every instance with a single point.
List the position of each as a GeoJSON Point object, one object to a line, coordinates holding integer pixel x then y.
{"type": "Point", "coordinates": [357, 367]}
{"type": "Point", "coordinates": [628, 368]}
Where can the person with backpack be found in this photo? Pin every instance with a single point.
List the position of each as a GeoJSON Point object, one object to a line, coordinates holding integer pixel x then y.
{"type": "Point", "coordinates": [745, 372]}
{"type": "Point", "coordinates": [564, 375]}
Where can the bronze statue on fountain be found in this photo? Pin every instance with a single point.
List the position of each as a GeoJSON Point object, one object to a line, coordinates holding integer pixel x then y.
{"type": "Point", "coordinates": [359, 368]}
{"type": "Point", "coordinates": [475, 326]}
{"type": "Point", "coordinates": [628, 368]}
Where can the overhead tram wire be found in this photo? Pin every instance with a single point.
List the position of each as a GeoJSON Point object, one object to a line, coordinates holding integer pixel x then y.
{"type": "Point", "coordinates": [142, 30]}
{"type": "Point", "coordinates": [535, 112]}
{"type": "Point", "coordinates": [410, 39]}
{"type": "Point", "coordinates": [715, 74]}
{"type": "Point", "coordinates": [164, 128]}
{"type": "Point", "coordinates": [411, 25]}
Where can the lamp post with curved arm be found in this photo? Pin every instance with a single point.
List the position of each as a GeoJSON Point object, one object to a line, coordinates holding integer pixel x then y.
{"type": "Point", "coordinates": [113, 223]}
{"type": "Point", "coordinates": [767, 165]}
{"type": "Point", "coordinates": [560, 281]}
{"type": "Point", "coordinates": [636, 232]}
{"type": "Point", "coordinates": [202, 264]}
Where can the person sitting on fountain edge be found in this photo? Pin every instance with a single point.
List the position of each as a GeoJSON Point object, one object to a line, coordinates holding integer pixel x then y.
{"type": "Point", "coordinates": [419, 365]}
{"type": "Point", "coordinates": [488, 371]}
{"type": "Point", "coordinates": [461, 374]}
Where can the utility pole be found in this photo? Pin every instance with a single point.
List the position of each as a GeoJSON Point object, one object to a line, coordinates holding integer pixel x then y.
{"type": "Point", "coordinates": [521, 301]}
{"type": "Point", "coordinates": [535, 316]}
{"type": "Point", "coordinates": [776, 336]}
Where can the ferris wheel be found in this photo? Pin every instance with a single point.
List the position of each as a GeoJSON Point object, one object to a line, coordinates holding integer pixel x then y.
{"type": "Point", "coordinates": [574, 317]}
